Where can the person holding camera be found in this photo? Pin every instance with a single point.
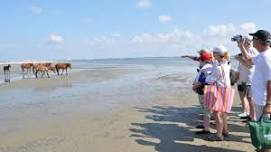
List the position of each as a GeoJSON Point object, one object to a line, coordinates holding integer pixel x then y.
{"type": "Point", "coordinates": [261, 80]}
{"type": "Point", "coordinates": [245, 77]}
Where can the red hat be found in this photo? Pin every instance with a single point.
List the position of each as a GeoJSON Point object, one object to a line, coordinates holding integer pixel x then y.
{"type": "Point", "coordinates": [206, 56]}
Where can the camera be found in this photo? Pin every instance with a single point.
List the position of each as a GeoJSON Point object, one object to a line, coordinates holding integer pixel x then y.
{"type": "Point", "coordinates": [237, 38]}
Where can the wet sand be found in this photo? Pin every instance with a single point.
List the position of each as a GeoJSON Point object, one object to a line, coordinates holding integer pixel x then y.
{"type": "Point", "coordinates": [109, 109]}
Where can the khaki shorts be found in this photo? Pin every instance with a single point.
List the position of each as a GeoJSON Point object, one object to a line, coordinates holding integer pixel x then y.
{"type": "Point", "coordinates": [203, 108]}
{"type": "Point", "coordinates": [247, 90]}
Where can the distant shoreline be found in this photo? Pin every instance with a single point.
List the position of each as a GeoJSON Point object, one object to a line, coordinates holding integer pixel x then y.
{"type": "Point", "coordinates": [20, 62]}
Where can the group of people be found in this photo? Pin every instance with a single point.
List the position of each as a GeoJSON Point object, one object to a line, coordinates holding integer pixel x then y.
{"type": "Point", "coordinates": [254, 81]}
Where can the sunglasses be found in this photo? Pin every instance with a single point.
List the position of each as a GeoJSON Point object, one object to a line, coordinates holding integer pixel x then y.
{"type": "Point", "coordinates": [255, 38]}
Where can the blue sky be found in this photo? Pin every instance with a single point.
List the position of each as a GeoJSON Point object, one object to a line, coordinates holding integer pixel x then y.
{"type": "Point", "coordinates": [88, 29]}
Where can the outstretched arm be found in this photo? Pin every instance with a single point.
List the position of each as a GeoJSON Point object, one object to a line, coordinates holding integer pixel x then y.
{"type": "Point", "coordinates": [191, 57]}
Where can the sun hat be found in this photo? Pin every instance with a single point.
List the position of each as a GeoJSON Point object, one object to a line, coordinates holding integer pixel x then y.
{"type": "Point", "coordinates": [221, 50]}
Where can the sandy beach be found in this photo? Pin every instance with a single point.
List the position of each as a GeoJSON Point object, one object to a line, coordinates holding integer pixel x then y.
{"type": "Point", "coordinates": [114, 109]}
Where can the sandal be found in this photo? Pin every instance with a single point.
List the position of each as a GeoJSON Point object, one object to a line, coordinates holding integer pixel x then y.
{"type": "Point", "coordinates": [200, 126]}
{"type": "Point", "coordinates": [214, 137]}
{"type": "Point", "coordinates": [226, 134]}
{"type": "Point", "coordinates": [202, 132]}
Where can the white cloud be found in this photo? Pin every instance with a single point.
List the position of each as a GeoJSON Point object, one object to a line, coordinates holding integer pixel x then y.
{"type": "Point", "coordinates": [144, 4]}
{"type": "Point", "coordinates": [164, 18]}
{"type": "Point", "coordinates": [248, 27]}
{"type": "Point", "coordinates": [229, 29]}
{"type": "Point", "coordinates": [36, 10]}
{"type": "Point", "coordinates": [172, 43]}
{"type": "Point", "coordinates": [55, 39]}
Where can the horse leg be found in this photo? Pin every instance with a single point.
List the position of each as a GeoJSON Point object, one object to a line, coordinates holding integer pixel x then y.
{"type": "Point", "coordinates": [66, 71]}
{"type": "Point", "coordinates": [42, 74]}
{"type": "Point", "coordinates": [23, 72]}
{"type": "Point", "coordinates": [26, 73]}
{"type": "Point", "coordinates": [57, 70]}
{"type": "Point", "coordinates": [47, 74]}
{"type": "Point", "coordinates": [36, 73]}
{"type": "Point", "coordinates": [29, 72]}
{"type": "Point", "coordinates": [8, 76]}
{"type": "Point", "coordinates": [62, 71]}
{"type": "Point", "coordinates": [33, 70]}
{"type": "Point", "coordinates": [5, 76]}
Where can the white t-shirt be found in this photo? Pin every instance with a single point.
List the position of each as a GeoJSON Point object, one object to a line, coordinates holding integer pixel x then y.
{"type": "Point", "coordinates": [261, 75]}
{"type": "Point", "coordinates": [220, 74]}
{"type": "Point", "coordinates": [206, 69]}
{"type": "Point", "coordinates": [245, 74]}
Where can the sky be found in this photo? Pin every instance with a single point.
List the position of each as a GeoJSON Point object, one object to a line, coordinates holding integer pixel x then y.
{"type": "Point", "coordinates": [94, 29]}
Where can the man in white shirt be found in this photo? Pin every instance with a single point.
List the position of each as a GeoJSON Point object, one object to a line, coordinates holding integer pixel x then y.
{"type": "Point", "coordinates": [261, 80]}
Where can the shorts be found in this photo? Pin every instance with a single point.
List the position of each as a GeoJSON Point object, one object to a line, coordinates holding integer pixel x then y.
{"type": "Point", "coordinates": [240, 87]}
{"type": "Point", "coordinates": [259, 112]}
{"type": "Point", "coordinates": [203, 107]}
{"type": "Point", "coordinates": [247, 90]}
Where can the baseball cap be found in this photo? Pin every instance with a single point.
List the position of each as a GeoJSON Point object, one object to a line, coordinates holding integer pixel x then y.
{"type": "Point", "coordinates": [206, 56]}
{"type": "Point", "coordinates": [261, 34]}
{"type": "Point", "coordinates": [221, 50]}
{"type": "Point", "coordinates": [203, 50]}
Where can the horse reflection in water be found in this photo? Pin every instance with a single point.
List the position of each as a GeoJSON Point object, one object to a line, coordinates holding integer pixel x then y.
{"type": "Point", "coordinates": [7, 72]}
{"type": "Point", "coordinates": [63, 66]}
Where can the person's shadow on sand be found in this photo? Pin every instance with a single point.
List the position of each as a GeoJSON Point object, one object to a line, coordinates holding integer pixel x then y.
{"type": "Point", "coordinates": [171, 131]}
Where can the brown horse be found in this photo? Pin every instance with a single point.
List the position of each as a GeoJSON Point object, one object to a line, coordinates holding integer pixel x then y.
{"type": "Point", "coordinates": [43, 64]}
{"type": "Point", "coordinates": [27, 67]}
{"type": "Point", "coordinates": [63, 66]}
{"type": "Point", "coordinates": [7, 72]}
{"type": "Point", "coordinates": [43, 69]}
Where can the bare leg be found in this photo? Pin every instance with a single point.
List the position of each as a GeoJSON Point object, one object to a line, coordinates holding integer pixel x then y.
{"type": "Point", "coordinates": [219, 123]}
{"type": "Point", "coordinates": [252, 114]}
{"type": "Point", "coordinates": [206, 122]}
{"type": "Point", "coordinates": [225, 123]}
{"type": "Point", "coordinates": [244, 102]}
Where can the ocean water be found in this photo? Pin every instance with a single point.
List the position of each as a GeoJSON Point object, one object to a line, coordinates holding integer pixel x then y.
{"type": "Point", "coordinates": [165, 64]}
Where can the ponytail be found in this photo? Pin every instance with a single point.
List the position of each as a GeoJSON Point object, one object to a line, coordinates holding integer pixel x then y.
{"type": "Point", "coordinates": [227, 56]}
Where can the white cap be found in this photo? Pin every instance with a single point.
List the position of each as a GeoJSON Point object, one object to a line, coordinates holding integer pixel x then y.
{"type": "Point", "coordinates": [220, 50]}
